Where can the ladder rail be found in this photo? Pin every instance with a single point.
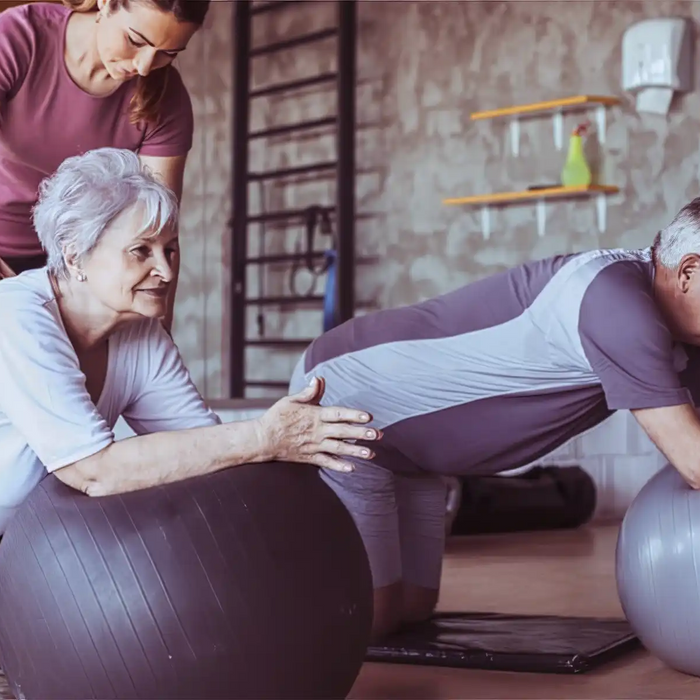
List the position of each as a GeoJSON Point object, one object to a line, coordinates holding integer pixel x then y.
{"type": "Point", "coordinates": [345, 192]}
{"type": "Point", "coordinates": [239, 197]}
{"type": "Point", "coordinates": [342, 210]}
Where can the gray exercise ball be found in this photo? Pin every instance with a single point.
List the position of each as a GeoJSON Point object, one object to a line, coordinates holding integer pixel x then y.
{"type": "Point", "coordinates": [658, 569]}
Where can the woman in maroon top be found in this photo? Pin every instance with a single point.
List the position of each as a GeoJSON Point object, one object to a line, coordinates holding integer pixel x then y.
{"type": "Point", "coordinates": [82, 75]}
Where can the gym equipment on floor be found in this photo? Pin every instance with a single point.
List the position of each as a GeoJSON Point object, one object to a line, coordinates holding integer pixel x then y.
{"type": "Point", "coordinates": [658, 577]}
{"type": "Point", "coordinates": [543, 498]}
{"type": "Point", "coordinates": [499, 642]}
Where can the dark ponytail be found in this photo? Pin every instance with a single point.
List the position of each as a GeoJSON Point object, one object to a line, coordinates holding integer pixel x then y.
{"type": "Point", "coordinates": [149, 92]}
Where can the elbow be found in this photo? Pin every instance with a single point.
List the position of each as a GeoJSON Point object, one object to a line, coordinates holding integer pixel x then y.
{"type": "Point", "coordinates": [95, 488]}
{"type": "Point", "coordinates": [79, 478]}
{"type": "Point", "coordinates": [691, 476]}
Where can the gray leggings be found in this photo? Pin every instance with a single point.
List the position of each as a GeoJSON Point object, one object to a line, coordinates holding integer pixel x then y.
{"type": "Point", "coordinates": [400, 517]}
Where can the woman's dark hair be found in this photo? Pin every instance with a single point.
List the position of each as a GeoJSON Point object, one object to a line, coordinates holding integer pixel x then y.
{"type": "Point", "coordinates": [148, 96]}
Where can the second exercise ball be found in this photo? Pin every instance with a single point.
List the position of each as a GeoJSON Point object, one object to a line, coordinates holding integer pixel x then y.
{"type": "Point", "coordinates": [658, 568]}
{"type": "Point", "coordinates": [249, 583]}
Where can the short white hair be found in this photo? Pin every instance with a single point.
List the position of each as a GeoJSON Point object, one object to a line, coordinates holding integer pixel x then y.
{"type": "Point", "coordinates": [86, 193]}
{"type": "Point", "coordinates": [680, 238]}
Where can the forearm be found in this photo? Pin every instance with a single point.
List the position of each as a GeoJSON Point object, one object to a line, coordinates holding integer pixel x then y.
{"type": "Point", "coordinates": [5, 270]}
{"type": "Point", "coordinates": [159, 458]}
{"type": "Point", "coordinates": [675, 430]}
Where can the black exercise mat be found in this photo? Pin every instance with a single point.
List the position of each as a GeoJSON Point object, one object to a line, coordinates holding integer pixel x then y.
{"type": "Point", "coordinates": [493, 641]}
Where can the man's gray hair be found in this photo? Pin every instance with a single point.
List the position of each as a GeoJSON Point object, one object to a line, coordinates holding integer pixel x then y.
{"type": "Point", "coordinates": [86, 193]}
{"type": "Point", "coordinates": [680, 238]}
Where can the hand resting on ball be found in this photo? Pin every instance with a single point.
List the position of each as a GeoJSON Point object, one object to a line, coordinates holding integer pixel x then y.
{"type": "Point", "coordinates": [295, 429]}
{"type": "Point", "coordinates": [675, 430]}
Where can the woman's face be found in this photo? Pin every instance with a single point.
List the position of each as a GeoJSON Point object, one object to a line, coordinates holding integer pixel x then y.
{"type": "Point", "coordinates": [131, 274]}
{"type": "Point", "coordinates": [139, 40]}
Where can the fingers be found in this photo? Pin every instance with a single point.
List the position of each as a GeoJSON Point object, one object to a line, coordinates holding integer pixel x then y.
{"type": "Point", "coordinates": [312, 393]}
{"type": "Point", "coordinates": [319, 384]}
{"type": "Point", "coordinates": [338, 414]}
{"type": "Point", "coordinates": [328, 462]}
{"type": "Point", "coordinates": [343, 431]}
{"type": "Point", "coordinates": [345, 449]}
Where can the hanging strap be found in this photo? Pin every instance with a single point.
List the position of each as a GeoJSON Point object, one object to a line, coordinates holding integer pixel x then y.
{"type": "Point", "coordinates": [318, 218]}
{"type": "Point", "coordinates": [330, 316]}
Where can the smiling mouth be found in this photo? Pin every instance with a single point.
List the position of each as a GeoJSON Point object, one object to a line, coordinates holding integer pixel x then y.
{"type": "Point", "coordinates": [158, 292]}
{"type": "Point", "coordinates": [122, 72]}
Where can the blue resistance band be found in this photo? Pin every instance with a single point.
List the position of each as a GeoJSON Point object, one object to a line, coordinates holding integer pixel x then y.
{"type": "Point", "coordinates": [330, 316]}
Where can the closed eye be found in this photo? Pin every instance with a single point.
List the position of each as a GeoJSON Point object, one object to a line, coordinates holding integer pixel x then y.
{"type": "Point", "coordinates": [139, 44]}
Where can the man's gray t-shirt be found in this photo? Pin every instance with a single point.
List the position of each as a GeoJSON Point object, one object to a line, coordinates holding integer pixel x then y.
{"type": "Point", "coordinates": [502, 371]}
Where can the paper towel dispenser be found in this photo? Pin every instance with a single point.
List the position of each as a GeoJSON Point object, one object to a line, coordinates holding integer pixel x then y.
{"type": "Point", "coordinates": [657, 61]}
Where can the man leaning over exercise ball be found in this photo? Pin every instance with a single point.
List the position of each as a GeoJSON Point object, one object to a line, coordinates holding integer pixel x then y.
{"type": "Point", "coordinates": [499, 373]}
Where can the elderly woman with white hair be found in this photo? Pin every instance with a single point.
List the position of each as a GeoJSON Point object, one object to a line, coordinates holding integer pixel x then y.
{"type": "Point", "coordinates": [81, 344]}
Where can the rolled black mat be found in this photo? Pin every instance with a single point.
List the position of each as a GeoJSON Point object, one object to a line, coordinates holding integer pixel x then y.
{"type": "Point", "coordinates": [543, 498]}
{"type": "Point", "coordinates": [499, 642]}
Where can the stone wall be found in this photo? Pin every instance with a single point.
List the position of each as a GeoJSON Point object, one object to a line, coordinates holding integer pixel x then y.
{"type": "Point", "coordinates": [423, 67]}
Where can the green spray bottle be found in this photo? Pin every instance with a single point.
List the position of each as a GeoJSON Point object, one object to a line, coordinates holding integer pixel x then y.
{"type": "Point", "coordinates": [576, 171]}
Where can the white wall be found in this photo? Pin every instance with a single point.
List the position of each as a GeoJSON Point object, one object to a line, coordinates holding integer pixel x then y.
{"type": "Point", "coordinates": [620, 458]}
{"type": "Point", "coordinates": [617, 454]}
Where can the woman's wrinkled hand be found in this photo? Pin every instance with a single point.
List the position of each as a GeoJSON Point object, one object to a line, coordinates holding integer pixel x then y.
{"type": "Point", "coordinates": [297, 429]}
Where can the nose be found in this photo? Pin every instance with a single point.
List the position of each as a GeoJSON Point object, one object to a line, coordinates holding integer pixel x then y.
{"type": "Point", "coordinates": [143, 62]}
{"type": "Point", "coordinates": [163, 268]}
{"type": "Point", "coordinates": [165, 272]}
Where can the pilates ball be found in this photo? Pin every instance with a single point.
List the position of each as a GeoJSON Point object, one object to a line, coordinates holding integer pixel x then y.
{"type": "Point", "coordinates": [252, 582]}
{"type": "Point", "coordinates": [658, 569]}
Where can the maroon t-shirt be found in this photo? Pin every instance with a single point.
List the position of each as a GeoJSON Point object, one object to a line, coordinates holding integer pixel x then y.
{"type": "Point", "coordinates": [45, 117]}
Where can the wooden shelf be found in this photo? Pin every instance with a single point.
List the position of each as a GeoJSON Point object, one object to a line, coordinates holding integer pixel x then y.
{"type": "Point", "coordinates": [539, 197]}
{"type": "Point", "coordinates": [556, 108]}
{"type": "Point", "coordinates": [548, 106]}
{"type": "Point", "coordinates": [547, 193]}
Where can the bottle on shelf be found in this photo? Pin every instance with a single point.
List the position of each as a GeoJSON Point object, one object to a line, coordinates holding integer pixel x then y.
{"type": "Point", "coordinates": [576, 171]}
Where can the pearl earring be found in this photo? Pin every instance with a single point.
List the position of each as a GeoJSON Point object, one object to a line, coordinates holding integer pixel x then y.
{"type": "Point", "coordinates": [82, 277]}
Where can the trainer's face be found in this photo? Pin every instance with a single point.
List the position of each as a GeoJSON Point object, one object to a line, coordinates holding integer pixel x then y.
{"type": "Point", "coordinates": [140, 39]}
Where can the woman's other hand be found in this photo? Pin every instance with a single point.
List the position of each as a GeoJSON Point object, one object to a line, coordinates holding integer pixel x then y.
{"type": "Point", "coordinates": [5, 270]}
{"type": "Point", "coordinates": [297, 429]}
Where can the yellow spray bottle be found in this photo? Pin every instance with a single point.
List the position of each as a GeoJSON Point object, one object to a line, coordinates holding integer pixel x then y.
{"type": "Point", "coordinates": [576, 171]}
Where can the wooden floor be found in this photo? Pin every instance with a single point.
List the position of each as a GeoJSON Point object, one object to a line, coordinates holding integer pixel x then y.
{"type": "Point", "coordinates": [558, 573]}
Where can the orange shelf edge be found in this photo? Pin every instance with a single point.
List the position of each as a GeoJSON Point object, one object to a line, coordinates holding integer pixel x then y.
{"type": "Point", "coordinates": [525, 195]}
{"type": "Point", "coordinates": [575, 101]}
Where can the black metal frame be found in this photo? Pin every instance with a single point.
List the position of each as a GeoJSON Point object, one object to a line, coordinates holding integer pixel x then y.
{"type": "Point", "coordinates": [344, 166]}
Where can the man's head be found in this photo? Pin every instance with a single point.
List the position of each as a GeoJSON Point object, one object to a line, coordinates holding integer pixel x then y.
{"type": "Point", "coordinates": [677, 282]}
{"type": "Point", "coordinates": [110, 230]}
